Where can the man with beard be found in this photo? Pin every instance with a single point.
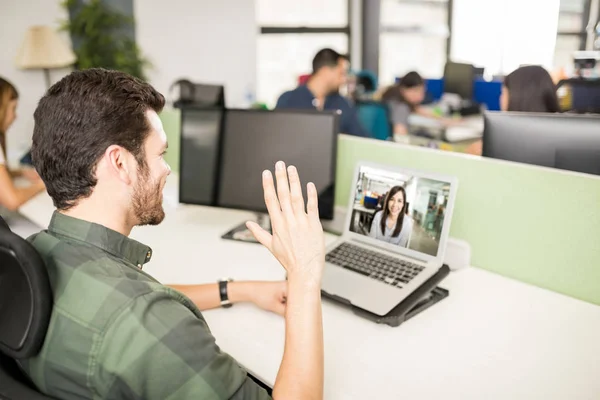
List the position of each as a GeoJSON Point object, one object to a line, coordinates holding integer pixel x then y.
{"type": "Point", "coordinates": [321, 92]}
{"type": "Point", "coordinates": [115, 332]}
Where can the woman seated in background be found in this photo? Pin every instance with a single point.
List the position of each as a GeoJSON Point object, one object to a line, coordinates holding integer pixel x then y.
{"type": "Point", "coordinates": [12, 197]}
{"type": "Point", "coordinates": [526, 89]}
{"type": "Point", "coordinates": [391, 224]}
{"type": "Point", "coordinates": [405, 98]}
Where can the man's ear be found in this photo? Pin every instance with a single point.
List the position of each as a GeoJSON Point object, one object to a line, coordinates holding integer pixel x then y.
{"type": "Point", "coordinates": [120, 163]}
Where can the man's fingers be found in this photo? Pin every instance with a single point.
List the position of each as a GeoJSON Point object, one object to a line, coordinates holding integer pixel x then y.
{"type": "Point", "coordinates": [260, 234]}
{"type": "Point", "coordinates": [283, 188]}
{"type": "Point", "coordinates": [271, 200]}
{"type": "Point", "coordinates": [296, 191]}
{"type": "Point", "coordinates": [313, 202]}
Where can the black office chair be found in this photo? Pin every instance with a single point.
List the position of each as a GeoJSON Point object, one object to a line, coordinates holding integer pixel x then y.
{"type": "Point", "coordinates": [25, 307]}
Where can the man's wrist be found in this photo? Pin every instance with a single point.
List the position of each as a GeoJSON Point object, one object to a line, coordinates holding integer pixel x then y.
{"type": "Point", "coordinates": [305, 281]}
{"type": "Point", "coordinates": [239, 292]}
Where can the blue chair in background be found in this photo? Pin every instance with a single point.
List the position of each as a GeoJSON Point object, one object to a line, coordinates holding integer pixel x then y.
{"type": "Point", "coordinates": [375, 118]}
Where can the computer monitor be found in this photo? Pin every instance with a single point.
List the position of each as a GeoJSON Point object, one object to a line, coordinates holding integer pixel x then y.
{"type": "Point", "coordinates": [199, 95]}
{"type": "Point", "coordinates": [478, 72]}
{"type": "Point", "coordinates": [564, 141]}
{"type": "Point", "coordinates": [199, 151]}
{"type": "Point", "coordinates": [458, 79]}
{"type": "Point", "coordinates": [209, 95]}
{"type": "Point", "coordinates": [254, 140]}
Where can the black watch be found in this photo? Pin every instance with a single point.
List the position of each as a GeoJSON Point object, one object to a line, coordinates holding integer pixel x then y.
{"type": "Point", "coordinates": [225, 303]}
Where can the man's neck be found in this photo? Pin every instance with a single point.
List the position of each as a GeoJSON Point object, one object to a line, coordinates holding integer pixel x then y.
{"type": "Point", "coordinates": [318, 89]}
{"type": "Point", "coordinates": [90, 211]}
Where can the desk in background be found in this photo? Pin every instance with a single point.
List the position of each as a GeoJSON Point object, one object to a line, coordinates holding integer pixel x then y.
{"type": "Point", "coordinates": [484, 92]}
{"type": "Point", "coordinates": [364, 215]}
{"type": "Point", "coordinates": [492, 338]}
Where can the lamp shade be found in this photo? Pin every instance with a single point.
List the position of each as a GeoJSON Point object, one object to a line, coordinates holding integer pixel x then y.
{"type": "Point", "coordinates": [44, 48]}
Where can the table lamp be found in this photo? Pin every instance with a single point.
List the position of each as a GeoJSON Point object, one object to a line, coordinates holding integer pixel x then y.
{"type": "Point", "coordinates": [44, 49]}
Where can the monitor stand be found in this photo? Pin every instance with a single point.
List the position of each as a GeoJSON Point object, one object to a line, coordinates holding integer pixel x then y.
{"type": "Point", "coordinates": [242, 234]}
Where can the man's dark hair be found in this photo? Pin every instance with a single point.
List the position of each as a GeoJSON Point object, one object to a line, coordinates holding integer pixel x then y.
{"type": "Point", "coordinates": [326, 58]}
{"type": "Point", "coordinates": [79, 118]}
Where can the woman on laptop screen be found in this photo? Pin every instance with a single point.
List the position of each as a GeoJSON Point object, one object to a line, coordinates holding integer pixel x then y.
{"type": "Point", "coordinates": [392, 225]}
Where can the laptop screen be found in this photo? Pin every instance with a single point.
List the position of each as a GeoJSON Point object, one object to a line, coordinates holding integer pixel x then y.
{"type": "Point", "coordinates": [403, 210]}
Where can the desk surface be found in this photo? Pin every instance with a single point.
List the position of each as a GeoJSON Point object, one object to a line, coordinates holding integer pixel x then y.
{"type": "Point", "coordinates": [492, 338]}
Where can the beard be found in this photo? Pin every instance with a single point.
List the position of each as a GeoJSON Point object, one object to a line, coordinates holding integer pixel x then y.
{"type": "Point", "coordinates": [147, 200]}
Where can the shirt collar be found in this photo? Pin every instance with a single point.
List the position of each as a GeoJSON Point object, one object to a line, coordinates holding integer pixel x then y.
{"type": "Point", "coordinates": [104, 238]}
{"type": "Point", "coordinates": [304, 88]}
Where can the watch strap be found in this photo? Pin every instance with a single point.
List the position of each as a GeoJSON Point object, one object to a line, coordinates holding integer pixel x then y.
{"type": "Point", "coordinates": [225, 302]}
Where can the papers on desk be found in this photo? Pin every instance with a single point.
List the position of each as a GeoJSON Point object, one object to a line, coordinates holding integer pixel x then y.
{"type": "Point", "coordinates": [462, 132]}
{"type": "Point", "coordinates": [470, 128]}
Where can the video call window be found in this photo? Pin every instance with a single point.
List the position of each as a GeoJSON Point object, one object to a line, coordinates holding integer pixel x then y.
{"type": "Point", "coordinates": [406, 211]}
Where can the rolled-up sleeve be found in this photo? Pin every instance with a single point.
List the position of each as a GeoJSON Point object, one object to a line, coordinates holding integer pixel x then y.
{"type": "Point", "coordinates": [157, 348]}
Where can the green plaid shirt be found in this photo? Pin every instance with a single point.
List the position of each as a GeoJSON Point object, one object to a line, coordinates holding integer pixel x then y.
{"type": "Point", "coordinates": [117, 333]}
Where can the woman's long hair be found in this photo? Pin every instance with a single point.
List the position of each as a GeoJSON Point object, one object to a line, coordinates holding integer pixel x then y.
{"type": "Point", "coordinates": [7, 93]}
{"type": "Point", "coordinates": [386, 210]}
{"type": "Point", "coordinates": [531, 89]}
{"type": "Point", "coordinates": [394, 92]}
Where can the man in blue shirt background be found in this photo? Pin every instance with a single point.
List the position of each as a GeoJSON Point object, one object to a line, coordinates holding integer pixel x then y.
{"type": "Point", "coordinates": [321, 92]}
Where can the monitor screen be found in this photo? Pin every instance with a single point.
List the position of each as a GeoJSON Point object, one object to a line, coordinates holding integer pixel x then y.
{"type": "Point", "coordinates": [254, 140]}
{"type": "Point", "coordinates": [400, 209]}
{"type": "Point", "coordinates": [209, 95]}
{"type": "Point", "coordinates": [199, 151]}
{"type": "Point", "coordinates": [564, 141]}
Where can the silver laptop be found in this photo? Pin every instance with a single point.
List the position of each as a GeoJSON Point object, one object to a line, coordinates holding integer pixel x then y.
{"type": "Point", "coordinates": [394, 238]}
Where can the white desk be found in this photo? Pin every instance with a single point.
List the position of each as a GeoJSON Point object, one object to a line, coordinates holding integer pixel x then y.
{"type": "Point", "coordinates": [492, 338]}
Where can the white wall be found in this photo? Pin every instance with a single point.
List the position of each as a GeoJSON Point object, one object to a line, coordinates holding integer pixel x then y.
{"type": "Point", "coordinates": [202, 40]}
{"type": "Point", "coordinates": [15, 17]}
{"type": "Point", "coordinates": [503, 34]}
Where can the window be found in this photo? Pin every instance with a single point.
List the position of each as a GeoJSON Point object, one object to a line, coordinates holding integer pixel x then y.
{"type": "Point", "coordinates": [414, 36]}
{"type": "Point", "coordinates": [572, 21]}
{"type": "Point", "coordinates": [515, 32]}
{"type": "Point", "coordinates": [313, 13]}
{"type": "Point", "coordinates": [282, 58]}
{"type": "Point", "coordinates": [291, 33]}
{"type": "Point", "coordinates": [563, 52]}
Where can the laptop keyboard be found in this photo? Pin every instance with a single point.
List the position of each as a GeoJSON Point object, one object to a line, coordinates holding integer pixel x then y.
{"type": "Point", "coordinates": [390, 270]}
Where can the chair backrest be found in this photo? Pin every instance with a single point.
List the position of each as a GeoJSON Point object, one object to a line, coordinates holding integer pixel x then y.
{"type": "Point", "coordinates": [458, 79]}
{"type": "Point", "coordinates": [25, 296]}
{"type": "Point", "coordinates": [375, 118]}
{"type": "Point", "coordinates": [584, 95]}
{"type": "Point", "coordinates": [25, 308]}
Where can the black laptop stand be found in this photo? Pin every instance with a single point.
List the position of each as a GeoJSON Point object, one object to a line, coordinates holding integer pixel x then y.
{"type": "Point", "coordinates": [418, 301]}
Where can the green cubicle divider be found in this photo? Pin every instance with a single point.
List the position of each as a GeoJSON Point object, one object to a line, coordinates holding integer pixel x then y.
{"type": "Point", "coordinates": [537, 225]}
{"type": "Point", "coordinates": [534, 224]}
{"type": "Point", "coordinates": [171, 120]}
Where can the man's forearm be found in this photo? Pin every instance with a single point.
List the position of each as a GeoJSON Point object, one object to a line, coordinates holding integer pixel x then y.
{"type": "Point", "coordinates": [207, 296]}
{"type": "Point", "coordinates": [301, 373]}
